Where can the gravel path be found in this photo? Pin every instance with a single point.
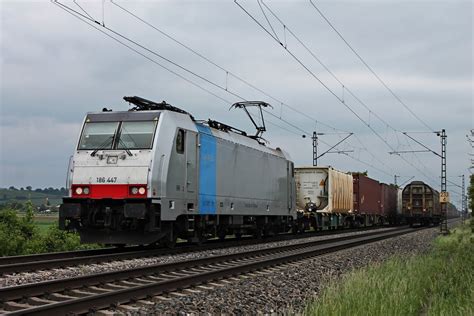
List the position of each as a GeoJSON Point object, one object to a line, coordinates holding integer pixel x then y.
{"type": "Point", "coordinates": [37, 276]}
{"type": "Point", "coordinates": [288, 290]}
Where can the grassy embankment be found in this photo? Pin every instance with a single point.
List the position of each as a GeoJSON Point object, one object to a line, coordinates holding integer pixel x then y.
{"type": "Point", "coordinates": [438, 283]}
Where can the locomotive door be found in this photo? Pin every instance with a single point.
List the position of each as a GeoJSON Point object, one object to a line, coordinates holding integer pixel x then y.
{"type": "Point", "coordinates": [290, 185]}
{"type": "Point", "coordinates": [191, 161]}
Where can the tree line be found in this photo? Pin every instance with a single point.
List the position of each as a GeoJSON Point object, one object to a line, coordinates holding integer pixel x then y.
{"type": "Point", "coordinates": [53, 191]}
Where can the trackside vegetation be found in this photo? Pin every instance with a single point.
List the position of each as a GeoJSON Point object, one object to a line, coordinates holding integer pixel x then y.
{"type": "Point", "coordinates": [440, 282]}
{"type": "Point", "coordinates": [20, 235]}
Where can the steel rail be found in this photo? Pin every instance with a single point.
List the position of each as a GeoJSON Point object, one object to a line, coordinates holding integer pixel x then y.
{"type": "Point", "coordinates": [61, 259]}
{"type": "Point", "coordinates": [17, 292]}
{"type": "Point", "coordinates": [222, 266]}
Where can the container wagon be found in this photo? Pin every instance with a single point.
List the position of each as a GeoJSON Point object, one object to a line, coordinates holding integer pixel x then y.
{"type": "Point", "coordinates": [367, 194]}
{"type": "Point", "coordinates": [323, 197]}
{"type": "Point", "coordinates": [388, 203]}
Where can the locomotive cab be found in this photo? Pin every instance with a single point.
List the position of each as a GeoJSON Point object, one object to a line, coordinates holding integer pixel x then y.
{"type": "Point", "coordinates": [113, 197]}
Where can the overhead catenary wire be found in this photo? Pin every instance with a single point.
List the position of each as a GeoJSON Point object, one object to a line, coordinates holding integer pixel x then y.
{"type": "Point", "coordinates": [369, 67]}
{"type": "Point", "coordinates": [139, 53]}
{"type": "Point", "coordinates": [322, 83]}
{"type": "Point", "coordinates": [227, 71]}
{"type": "Point", "coordinates": [92, 22]}
{"type": "Point", "coordinates": [314, 75]}
{"type": "Point", "coordinates": [344, 87]}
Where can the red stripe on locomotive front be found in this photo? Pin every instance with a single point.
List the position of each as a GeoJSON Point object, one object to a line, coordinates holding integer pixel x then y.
{"type": "Point", "coordinates": [109, 191]}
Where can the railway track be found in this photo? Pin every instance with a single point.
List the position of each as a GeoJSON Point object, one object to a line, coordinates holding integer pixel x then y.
{"type": "Point", "coordinates": [100, 291]}
{"type": "Point", "coordinates": [16, 264]}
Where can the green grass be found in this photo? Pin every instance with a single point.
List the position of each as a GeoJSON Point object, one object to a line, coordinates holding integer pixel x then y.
{"type": "Point", "coordinates": [44, 222]}
{"type": "Point", "coordinates": [438, 283]}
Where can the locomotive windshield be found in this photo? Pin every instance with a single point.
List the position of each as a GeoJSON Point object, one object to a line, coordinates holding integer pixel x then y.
{"type": "Point", "coordinates": [117, 135]}
{"type": "Point", "coordinates": [136, 135]}
{"type": "Point", "coordinates": [98, 135]}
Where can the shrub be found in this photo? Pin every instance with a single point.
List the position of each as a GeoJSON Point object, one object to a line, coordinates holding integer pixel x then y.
{"type": "Point", "coordinates": [20, 235]}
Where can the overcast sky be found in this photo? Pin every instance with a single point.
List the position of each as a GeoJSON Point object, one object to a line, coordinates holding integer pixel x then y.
{"type": "Point", "coordinates": [55, 68]}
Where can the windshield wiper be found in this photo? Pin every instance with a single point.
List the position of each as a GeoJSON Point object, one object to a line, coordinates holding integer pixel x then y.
{"type": "Point", "coordinates": [125, 147]}
{"type": "Point", "coordinates": [103, 145]}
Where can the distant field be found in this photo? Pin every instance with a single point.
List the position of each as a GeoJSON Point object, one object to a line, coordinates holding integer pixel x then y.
{"type": "Point", "coordinates": [44, 222]}
{"type": "Point", "coordinates": [37, 198]}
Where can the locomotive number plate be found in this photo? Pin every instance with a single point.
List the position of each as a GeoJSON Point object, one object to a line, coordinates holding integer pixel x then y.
{"type": "Point", "coordinates": [106, 179]}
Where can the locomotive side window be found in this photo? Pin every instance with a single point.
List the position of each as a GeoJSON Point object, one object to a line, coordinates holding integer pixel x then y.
{"type": "Point", "coordinates": [180, 142]}
{"type": "Point", "coordinates": [98, 135]}
{"type": "Point", "coordinates": [136, 135]}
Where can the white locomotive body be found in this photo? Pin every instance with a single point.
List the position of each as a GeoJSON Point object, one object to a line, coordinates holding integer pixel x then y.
{"type": "Point", "coordinates": [154, 174]}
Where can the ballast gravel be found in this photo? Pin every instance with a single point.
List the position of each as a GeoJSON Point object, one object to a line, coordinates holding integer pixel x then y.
{"type": "Point", "coordinates": [13, 279]}
{"type": "Point", "coordinates": [287, 291]}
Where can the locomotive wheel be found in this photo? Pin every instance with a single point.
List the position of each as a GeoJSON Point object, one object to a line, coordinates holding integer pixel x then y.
{"type": "Point", "coordinates": [258, 234]}
{"type": "Point", "coordinates": [294, 229]}
{"type": "Point", "coordinates": [169, 242]}
{"type": "Point", "coordinates": [222, 234]}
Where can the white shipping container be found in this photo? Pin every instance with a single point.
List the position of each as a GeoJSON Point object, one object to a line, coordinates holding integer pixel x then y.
{"type": "Point", "coordinates": [330, 190]}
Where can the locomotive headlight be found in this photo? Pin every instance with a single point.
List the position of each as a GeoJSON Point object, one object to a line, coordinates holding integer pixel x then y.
{"type": "Point", "coordinates": [141, 190]}
{"type": "Point", "coordinates": [134, 190]}
{"type": "Point", "coordinates": [86, 190]}
{"type": "Point", "coordinates": [79, 191]}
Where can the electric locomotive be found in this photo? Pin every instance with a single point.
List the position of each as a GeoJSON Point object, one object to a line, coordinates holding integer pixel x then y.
{"type": "Point", "coordinates": [154, 173]}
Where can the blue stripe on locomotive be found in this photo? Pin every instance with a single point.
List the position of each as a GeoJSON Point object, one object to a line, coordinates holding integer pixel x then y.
{"type": "Point", "coordinates": [207, 170]}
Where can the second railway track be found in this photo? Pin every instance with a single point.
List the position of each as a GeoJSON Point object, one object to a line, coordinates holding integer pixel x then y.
{"type": "Point", "coordinates": [100, 291]}
{"type": "Point", "coordinates": [16, 264]}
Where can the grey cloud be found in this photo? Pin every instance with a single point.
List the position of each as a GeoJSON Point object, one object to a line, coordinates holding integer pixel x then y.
{"type": "Point", "coordinates": [54, 69]}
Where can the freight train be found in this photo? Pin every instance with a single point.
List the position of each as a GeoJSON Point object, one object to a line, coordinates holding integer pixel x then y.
{"type": "Point", "coordinates": [330, 199]}
{"type": "Point", "coordinates": [154, 174]}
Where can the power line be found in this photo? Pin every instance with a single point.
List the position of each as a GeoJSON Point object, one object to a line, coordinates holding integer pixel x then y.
{"type": "Point", "coordinates": [313, 74]}
{"type": "Point", "coordinates": [370, 68]}
{"type": "Point", "coordinates": [344, 87]}
{"type": "Point", "coordinates": [228, 72]}
{"type": "Point", "coordinates": [85, 19]}
{"type": "Point", "coordinates": [91, 22]}
{"type": "Point", "coordinates": [321, 82]}
{"type": "Point", "coordinates": [233, 75]}
{"type": "Point", "coordinates": [139, 53]}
